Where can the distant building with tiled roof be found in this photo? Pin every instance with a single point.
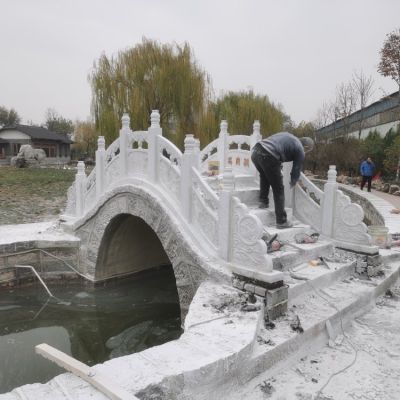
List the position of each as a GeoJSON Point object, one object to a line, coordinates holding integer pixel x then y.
{"type": "Point", "coordinates": [380, 116]}
{"type": "Point", "coordinates": [56, 146]}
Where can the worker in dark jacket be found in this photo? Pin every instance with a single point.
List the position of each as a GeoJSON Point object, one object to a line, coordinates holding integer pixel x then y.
{"type": "Point", "coordinates": [367, 170]}
{"type": "Point", "coordinates": [268, 156]}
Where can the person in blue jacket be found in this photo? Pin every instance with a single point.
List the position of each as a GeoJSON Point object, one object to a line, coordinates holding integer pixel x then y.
{"type": "Point", "coordinates": [367, 170]}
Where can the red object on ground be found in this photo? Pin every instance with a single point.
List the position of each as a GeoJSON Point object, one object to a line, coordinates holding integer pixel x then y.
{"type": "Point", "coordinates": [377, 176]}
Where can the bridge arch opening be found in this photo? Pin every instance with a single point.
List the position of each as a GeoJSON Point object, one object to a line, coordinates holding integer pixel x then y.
{"type": "Point", "coordinates": [129, 245]}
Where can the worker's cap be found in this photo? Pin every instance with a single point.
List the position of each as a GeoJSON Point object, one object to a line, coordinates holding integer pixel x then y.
{"type": "Point", "coordinates": [307, 143]}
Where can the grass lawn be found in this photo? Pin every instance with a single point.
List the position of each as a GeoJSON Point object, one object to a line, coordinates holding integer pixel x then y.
{"type": "Point", "coordinates": [32, 194]}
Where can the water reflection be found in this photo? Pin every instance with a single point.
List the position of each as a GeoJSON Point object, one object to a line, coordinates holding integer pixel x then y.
{"type": "Point", "coordinates": [91, 324]}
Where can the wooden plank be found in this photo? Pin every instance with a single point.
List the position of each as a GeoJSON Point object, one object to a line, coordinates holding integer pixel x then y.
{"type": "Point", "coordinates": [99, 381]}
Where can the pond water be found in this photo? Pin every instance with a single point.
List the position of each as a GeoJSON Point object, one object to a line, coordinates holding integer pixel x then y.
{"type": "Point", "coordinates": [93, 324]}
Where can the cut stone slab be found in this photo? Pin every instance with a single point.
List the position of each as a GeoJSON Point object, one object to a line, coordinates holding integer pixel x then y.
{"type": "Point", "coordinates": [272, 277]}
{"type": "Point", "coordinates": [289, 256]}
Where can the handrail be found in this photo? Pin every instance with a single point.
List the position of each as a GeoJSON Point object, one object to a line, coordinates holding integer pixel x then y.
{"type": "Point", "coordinates": [112, 150]}
{"type": "Point", "coordinates": [175, 155]}
{"type": "Point", "coordinates": [239, 139]}
{"type": "Point", "coordinates": [311, 189]}
{"type": "Point", "coordinates": [211, 196]}
{"type": "Point", "coordinates": [208, 148]}
{"type": "Point", "coordinates": [137, 136]}
{"type": "Point", "coordinates": [91, 180]}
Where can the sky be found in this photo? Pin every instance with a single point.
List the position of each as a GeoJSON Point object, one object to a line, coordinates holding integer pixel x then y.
{"type": "Point", "coordinates": [294, 51]}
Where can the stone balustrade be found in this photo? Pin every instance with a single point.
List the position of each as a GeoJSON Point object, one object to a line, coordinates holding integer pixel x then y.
{"type": "Point", "coordinates": [226, 226]}
{"type": "Point", "coordinates": [215, 216]}
{"type": "Point", "coordinates": [329, 211]}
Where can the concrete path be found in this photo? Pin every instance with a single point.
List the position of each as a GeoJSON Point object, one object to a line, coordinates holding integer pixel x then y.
{"type": "Point", "coordinates": [384, 203]}
{"type": "Point", "coordinates": [394, 200]}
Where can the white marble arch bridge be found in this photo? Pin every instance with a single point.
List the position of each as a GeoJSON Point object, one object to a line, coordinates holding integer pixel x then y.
{"type": "Point", "coordinates": [146, 203]}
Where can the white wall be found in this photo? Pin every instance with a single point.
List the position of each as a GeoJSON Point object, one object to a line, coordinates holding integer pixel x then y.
{"type": "Point", "coordinates": [381, 129]}
{"type": "Point", "coordinates": [13, 134]}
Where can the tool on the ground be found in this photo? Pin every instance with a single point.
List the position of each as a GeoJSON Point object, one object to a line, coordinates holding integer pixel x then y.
{"type": "Point", "coordinates": [273, 244]}
{"type": "Point", "coordinates": [271, 241]}
{"type": "Point", "coordinates": [304, 238]}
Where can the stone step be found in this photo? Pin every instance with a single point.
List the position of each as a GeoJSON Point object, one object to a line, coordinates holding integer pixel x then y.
{"type": "Point", "coordinates": [267, 215]}
{"type": "Point", "coordinates": [290, 257]}
{"type": "Point", "coordinates": [287, 234]}
{"type": "Point", "coordinates": [242, 182]}
{"type": "Point", "coordinates": [306, 276]}
{"type": "Point", "coordinates": [249, 196]}
{"type": "Point", "coordinates": [245, 181]}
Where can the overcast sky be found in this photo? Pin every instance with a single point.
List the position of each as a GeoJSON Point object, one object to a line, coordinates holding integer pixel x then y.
{"type": "Point", "coordinates": [295, 51]}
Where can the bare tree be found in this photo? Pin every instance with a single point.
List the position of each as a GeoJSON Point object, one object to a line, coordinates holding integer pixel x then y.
{"type": "Point", "coordinates": [323, 116]}
{"type": "Point", "coordinates": [364, 88]}
{"type": "Point", "coordinates": [390, 57]}
{"type": "Point", "coordinates": [345, 104]}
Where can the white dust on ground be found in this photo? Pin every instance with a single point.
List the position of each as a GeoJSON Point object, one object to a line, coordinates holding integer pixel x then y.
{"type": "Point", "coordinates": [374, 374]}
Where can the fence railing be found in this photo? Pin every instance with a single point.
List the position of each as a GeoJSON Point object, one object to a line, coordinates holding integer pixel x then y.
{"type": "Point", "coordinates": [329, 211]}
{"type": "Point", "coordinates": [230, 151]}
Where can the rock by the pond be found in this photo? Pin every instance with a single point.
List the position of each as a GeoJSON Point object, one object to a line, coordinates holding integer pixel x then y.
{"type": "Point", "coordinates": [394, 188]}
{"type": "Point", "coordinates": [130, 340]}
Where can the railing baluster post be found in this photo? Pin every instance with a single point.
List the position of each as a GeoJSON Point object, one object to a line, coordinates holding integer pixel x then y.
{"type": "Point", "coordinates": [80, 186]}
{"type": "Point", "coordinates": [100, 166]}
{"type": "Point", "coordinates": [223, 146]}
{"type": "Point", "coordinates": [153, 153]}
{"type": "Point", "coordinates": [123, 144]}
{"type": "Point", "coordinates": [255, 137]}
{"type": "Point", "coordinates": [225, 214]}
{"type": "Point", "coordinates": [329, 203]}
{"type": "Point", "coordinates": [289, 193]}
{"type": "Point", "coordinates": [196, 154]}
{"type": "Point", "coordinates": [188, 161]}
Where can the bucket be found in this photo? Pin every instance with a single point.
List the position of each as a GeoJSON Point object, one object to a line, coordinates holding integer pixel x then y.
{"type": "Point", "coordinates": [380, 236]}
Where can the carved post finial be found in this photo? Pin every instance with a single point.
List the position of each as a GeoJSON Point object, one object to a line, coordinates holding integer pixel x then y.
{"type": "Point", "coordinates": [125, 121]}
{"type": "Point", "coordinates": [224, 126]}
{"type": "Point", "coordinates": [101, 143]}
{"type": "Point", "coordinates": [155, 119]}
{"type": "Point", "coordinates": [332, 173]}
{"type": "Point", "coordinates": [256, 127]}
{"type": "Point", "coordinates": [189, 143]}
{"type": "Point", "coordinates": [81, 168]}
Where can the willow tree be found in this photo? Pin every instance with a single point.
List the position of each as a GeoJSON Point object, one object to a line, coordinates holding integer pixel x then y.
{"type": "Point", "coordinates": [240, 109]}
{"type": "Point", "coordinates": [150, 76]}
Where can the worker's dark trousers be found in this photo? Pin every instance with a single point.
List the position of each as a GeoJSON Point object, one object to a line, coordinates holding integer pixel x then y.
{"type": "Point", "coordinates": [270, 170]}
{"type": "Point", "coordinates": [364, 180]}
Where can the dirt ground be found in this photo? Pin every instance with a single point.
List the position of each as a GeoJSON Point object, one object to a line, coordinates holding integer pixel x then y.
{"type": "Point", "coordinates": [33, 194]}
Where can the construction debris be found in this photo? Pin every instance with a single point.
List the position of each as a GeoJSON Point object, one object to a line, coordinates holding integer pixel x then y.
{"type": "Point", "coordinates": [295, 324]}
